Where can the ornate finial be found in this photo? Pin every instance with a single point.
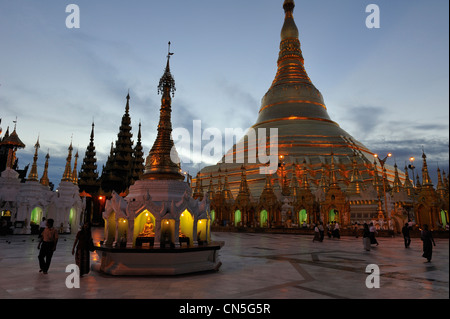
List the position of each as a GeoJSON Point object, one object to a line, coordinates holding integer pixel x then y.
{"type": "Point", "coordinates": [289, 6]}
{"type": "Point", "coordinates": [44, 179]}
{"type": "Point", "coordinates": [167, 83]}
{"type": "Point", "coordinates": [163, 161]}
{"type": "Point", "coordinates": [168, 52]}
{"type": "Point", "coordinates": [67, 176]}
{"type": "Point", "coordinates": [33, 176]}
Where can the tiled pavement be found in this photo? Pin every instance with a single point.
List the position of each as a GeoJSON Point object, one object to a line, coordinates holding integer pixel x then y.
{"type": "Point", "coordinates": [255, 266]}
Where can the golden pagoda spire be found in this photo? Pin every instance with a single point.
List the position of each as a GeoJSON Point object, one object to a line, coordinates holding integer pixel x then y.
{"type": "Point", "coordinates": [243, 187]}
{"type": "Point", "coordinates": [292, 94]}
{"type": "Point", "coordinates": [74, 172]}
{"type": "Point", "coordinates": [67, 176]}
{"type": "Point", "coordinates": [44, 179]}
{"type": "Point", "coordinates": [376, 180]}
{"type": "Point", "coordinates": [33, 176]}
{"type": "Point", "coordinates": [397, 184]}
{"type": "Point", "coordinates": [198, 192]}
{"type": "Point", "coordinates": [426, 180]}
{"type": "Point", "coordinates": [305, 183]}
{"type": "Point", "coordinates": [219, 182]}
{"type": "Point", "coordinates": [243, 195]}
{"type": "Point", "coordinates": [160, 161]}
{"type": "Point", "coordinates": [418, 184]}
{"type": "Point", "coordinates": [211, 191]}
{"type": "Point", "coordinates": [440, 188]}
{"type": "Point", "coordinates": [333, 182]}
{"type": "Point", "coordinates": [226, 188]}
{"type": "Point", "coordinates": [355, 180]}
{"type": "Point", "coordinates": [408, 186]}
{"type": "Point", "coordinates": [294, 182]}
{"type": "Point", "coordinates": [323, 184]}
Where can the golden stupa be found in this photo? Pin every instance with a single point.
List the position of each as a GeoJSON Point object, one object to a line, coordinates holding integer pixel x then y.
{"type": "Point", "coordinates": [307, 136]}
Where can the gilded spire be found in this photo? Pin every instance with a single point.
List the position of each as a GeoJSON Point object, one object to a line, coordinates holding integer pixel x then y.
{"type": "Point", "coordinates": [408, 186]}
{"type": "Point", "coordinates": [294, 182]}
{"type": "Point", "coordinates": [376, 180]}
{"type": "Point", "coordinates": [67, 176]}
{"type": "Point", "coordinates": [244, 191]}
{"type": "Point", "coordinates": [33, 176]}
{"type": "Point", "coordinates": [397, 184]}
{"type": "Point", "coordinates": [227, 195]}
{"type": "Point", "coordinates": [44, 179]}
{"type": "Point", "coordinates": [440, 188]}
{"type": "Point", "coordinates": [162, 161]}
{"type": "Point", "coordinates": [74, 172]}
{"type": "Point", "coordinates": [198, 191]}
{"type": "Point", "coordinates": [292, 94]}
{"type": "Point", "coordinates": [305, 182]}
{"type": "Point", "coordinates": [323, 184]}
{"type": "Point", "coordinates": [211, 190]}
{"type": "Point", "coordinates": [243, 187]}
{"type": "Point", "coordinates": [333, 181]}
{"type": "Point", "coordinates": [355, 181]}
{"type": "Point", "coordinates": [426, 180]}
{"type": "Point", "coordinates": [289, 29]}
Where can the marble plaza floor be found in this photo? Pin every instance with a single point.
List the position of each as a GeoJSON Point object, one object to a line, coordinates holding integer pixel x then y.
{"type": "Point", "coordinates": [255, 266]}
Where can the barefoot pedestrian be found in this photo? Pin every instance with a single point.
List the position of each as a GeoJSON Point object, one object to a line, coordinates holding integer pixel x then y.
{"type": "Point", "coordinates": [47, 245]}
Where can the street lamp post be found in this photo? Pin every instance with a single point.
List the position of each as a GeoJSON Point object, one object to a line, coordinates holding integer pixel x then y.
{"type": "Point", "coordinates": [382, 162]}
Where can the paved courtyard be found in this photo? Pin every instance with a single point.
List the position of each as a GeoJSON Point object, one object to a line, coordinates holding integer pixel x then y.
{"type": "Point", "coordinates": [255, 266]}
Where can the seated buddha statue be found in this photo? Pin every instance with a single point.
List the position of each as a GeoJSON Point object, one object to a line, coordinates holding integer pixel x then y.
{"type": "Point", "coordinates": [148, 230]}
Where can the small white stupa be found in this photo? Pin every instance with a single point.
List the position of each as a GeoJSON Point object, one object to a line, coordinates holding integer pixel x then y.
{"type": "Point", "coordinates": [159, 228]}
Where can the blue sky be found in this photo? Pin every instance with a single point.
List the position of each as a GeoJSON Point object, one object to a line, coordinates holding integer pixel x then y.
{"type": "Point", "coordinates": [387, 87]}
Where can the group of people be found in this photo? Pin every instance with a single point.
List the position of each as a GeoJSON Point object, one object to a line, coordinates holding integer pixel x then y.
{"type": "Point", "coordinates": [369, 233]}
{"type": "Point", "coordinates": [82, 246]}
{"type": "Point", "coordinates": [333, 230]}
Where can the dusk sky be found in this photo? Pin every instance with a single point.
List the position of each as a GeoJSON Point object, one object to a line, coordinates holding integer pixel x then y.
{"type": "Point", "coordinates": [387, 87]}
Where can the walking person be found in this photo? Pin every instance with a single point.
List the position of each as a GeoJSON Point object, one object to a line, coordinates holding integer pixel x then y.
{"type": "Point", "coordinates": [329, 229]}
{"type": "Point", "coordinates": [316, 233]}
{"type": "Point", "coordinates": [83, 244]}
{"type": "Point", "coordinates": [406, 236]}
{"type": "Point", "coordinates": [366, 237]}
{"type": "Point", "coordinates": [47, 245]}
{"type": "Point", "coordinates": [321, 231]}
{"type": "Point", "coordinates": [373, 231]}
{"type": "Point", "coordinates": [336, 232]}
{"type": "Point", "coordinates": [428, 243]}
{"type": "Point", "coordinates": [356, 230]}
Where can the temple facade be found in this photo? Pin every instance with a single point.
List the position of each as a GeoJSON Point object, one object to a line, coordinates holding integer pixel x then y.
{"type": "Point", "coordinates": [24, 202]}
{"type": "Point", "coordinates": [323, 174]}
